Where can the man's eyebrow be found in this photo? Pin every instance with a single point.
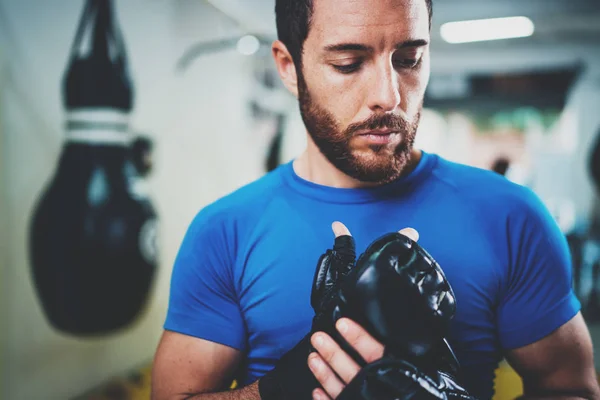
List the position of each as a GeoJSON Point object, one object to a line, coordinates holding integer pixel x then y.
{"type": "Point", "coordinates": [341, 47]}
{"type": "Point", "coordinates": [412, 43]}
{"type": "Point", "coordinates": [347, 47]}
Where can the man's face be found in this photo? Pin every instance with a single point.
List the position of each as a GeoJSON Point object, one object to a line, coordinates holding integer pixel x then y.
{"type": "Point", "coordinates": [365, 67]}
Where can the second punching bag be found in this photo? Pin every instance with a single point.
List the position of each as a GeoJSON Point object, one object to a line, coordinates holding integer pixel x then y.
{"type": "Point", "coordinates": [92, 234]}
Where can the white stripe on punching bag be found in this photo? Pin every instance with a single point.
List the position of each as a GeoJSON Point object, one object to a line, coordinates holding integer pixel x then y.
{"type": "Point", "coordinates": [99, 137]}
{"type": "Point", "coordinates": [98, 127]}
{"type": "Point", "coordinates": [92, 115]}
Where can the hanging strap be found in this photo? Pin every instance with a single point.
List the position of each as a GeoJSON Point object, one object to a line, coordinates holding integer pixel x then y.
{"type": "Point", "coordinates": [97, 17]}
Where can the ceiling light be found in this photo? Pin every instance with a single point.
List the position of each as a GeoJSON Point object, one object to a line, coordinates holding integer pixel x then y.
{"type": "Point", "coordinates": [248, 45]}
{"type": "Point", "coordinates": [486, 29]}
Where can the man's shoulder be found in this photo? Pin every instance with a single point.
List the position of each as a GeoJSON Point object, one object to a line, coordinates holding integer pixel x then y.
{"type": "Point", "coordinates": [484, 187]}
{"type": "Point", "coordinates": [245, 202]}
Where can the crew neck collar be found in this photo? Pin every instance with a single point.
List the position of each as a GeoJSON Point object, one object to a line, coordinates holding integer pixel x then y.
{"type": "Point", "coordinates": [359, 195]}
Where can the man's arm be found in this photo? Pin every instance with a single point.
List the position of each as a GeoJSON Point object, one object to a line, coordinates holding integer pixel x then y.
{"type": "Point", "coordinates": [186, 367]}
{"type": "Point", "coordinates": [559, 366]}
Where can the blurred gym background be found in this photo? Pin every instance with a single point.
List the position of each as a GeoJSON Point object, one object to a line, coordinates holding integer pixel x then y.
{"type": "Point", "coordinates": [202, 112]}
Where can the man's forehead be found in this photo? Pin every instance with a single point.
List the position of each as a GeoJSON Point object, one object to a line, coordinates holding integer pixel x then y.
{"type": "Point", "coordinates": [339, 17]}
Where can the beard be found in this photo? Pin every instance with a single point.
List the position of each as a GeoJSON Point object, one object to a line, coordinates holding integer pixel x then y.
{"type": "Point", "coordinates": [382, 164]}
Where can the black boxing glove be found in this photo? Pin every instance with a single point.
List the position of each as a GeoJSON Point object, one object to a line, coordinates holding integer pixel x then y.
{"type": "Point", "coordinates": [332, 267]}
{"type": "Point", "coordinates": [291, 378]}
{"type": "Point", "coordinates": [418, 364]}
{"type": "Point", "coordinates": [394, 379]}
{"type": "Point", "coordinates": [399, 294]}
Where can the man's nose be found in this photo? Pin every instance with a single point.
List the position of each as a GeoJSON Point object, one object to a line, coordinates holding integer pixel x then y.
{"type": "Point", "coordinates": [384, 92]}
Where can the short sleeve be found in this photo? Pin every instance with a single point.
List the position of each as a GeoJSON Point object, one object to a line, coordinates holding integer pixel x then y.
{"type": "Point", "coordinates": [538, 297]}
{"type": "Point", "coordinates": [203, 301]}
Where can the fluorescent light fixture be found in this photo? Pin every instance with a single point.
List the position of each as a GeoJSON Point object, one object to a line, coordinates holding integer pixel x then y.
{"type": "Point", "coordinates": [486, 29]}
{"type": "Point", "coordinates": [248, 45]}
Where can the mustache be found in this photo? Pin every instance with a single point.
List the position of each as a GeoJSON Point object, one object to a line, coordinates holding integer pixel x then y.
{"type": "Point", "coordinates": [386, 121]}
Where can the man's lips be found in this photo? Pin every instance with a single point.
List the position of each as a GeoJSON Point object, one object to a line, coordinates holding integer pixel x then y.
{"type": "Point", "coordinates": [380, 136]}
{"type": "Point", "coordinates": [377, 132]}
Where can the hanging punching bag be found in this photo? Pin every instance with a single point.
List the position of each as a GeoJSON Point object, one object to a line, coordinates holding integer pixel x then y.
{"type": "Point", "coordinates": [594, 163]}
{"type": "Point", "coordinates": [92, 234]}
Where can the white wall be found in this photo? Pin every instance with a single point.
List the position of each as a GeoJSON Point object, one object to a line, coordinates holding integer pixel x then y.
{"type": "Point", "coordinates": [204, 148]}
{"type": "Point", "coordinates": [3, 226]}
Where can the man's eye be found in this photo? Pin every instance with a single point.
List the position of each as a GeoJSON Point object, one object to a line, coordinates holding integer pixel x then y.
{"type": "Point", "coordinates": [408, 62]}
{"type": "Point", "coordinates": [347, 69]}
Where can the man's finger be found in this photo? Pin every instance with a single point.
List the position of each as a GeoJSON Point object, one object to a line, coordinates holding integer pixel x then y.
{"type": "Point", "coordinates": [337, 359]}
{"type": "Point", "coordinates": [319, 394]}
{"type": "Point", "coordinates": [369, 348]}
{"type": "Point", "coordinates": [411, 233]}
{"type": "Point", "coordinates": [339, 229]}
{"type": "Point", "coordinates": [325, 375]}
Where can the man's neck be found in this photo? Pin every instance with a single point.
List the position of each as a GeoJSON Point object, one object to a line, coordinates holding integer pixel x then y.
{"type": "Point", "coordinates": [312, 166]}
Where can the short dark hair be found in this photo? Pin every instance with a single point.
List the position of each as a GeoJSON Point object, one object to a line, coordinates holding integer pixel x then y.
{"type": "Point", "coordinates": [293, 19]}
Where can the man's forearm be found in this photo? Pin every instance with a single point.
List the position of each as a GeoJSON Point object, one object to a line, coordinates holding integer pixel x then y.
{"type": "Point", "coordinates": [249, 392]}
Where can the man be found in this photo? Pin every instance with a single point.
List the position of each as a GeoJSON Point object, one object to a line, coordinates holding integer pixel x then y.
{"type": "Point", "coordinates": [241, 282]}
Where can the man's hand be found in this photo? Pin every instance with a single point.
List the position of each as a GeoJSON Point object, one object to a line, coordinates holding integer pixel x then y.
{"type": "Point", "coordinates": [331, 361]}
{"type": "Point", "coordinates": [384, 377]}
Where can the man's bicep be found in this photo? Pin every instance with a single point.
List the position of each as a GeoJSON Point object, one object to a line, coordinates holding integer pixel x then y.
{"type": "Point", "coordinates": [560, 363]}
{"type": "Point", "coordinates": [186, 364]}
{"type": "Point", "coordinates": [203, 300]}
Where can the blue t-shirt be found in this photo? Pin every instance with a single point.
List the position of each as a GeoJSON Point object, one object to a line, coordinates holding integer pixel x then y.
{"type": "Point", "coordinates": [244, 271]}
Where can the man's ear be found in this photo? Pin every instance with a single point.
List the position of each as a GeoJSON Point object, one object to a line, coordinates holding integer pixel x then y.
{"type": "Point", "coordinates": [285, 66]}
